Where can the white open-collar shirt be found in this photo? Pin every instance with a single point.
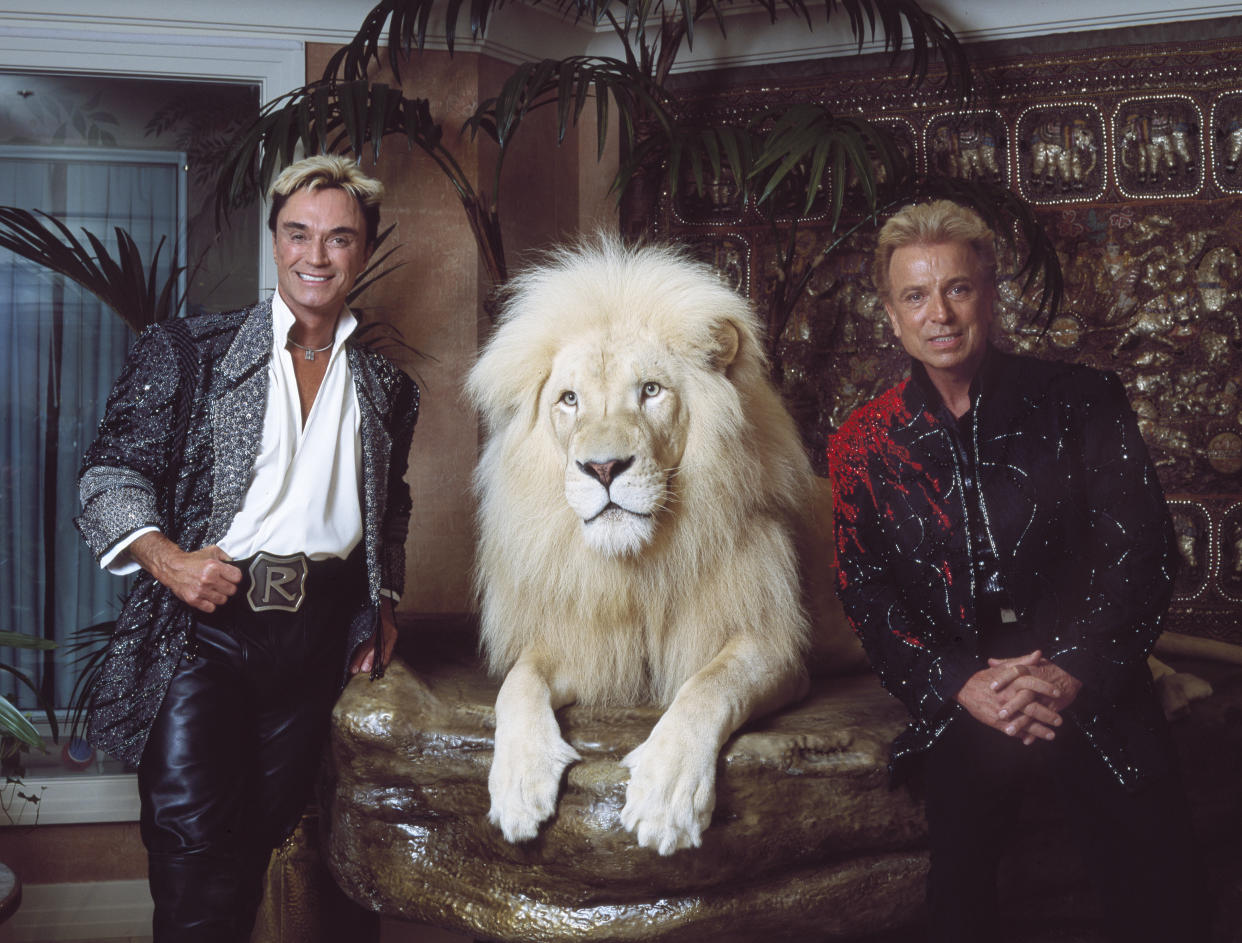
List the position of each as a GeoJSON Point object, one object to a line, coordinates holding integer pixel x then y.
{"type": "Point", "coordinates": [304, 493]}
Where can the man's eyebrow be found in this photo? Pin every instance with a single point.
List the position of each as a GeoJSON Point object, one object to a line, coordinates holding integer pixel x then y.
{"type": "Point", "coordinates": [302, 227]}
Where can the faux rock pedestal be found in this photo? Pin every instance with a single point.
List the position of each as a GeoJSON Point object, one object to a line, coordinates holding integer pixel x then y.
{"type": "Point", "coordinates": [806, 840]}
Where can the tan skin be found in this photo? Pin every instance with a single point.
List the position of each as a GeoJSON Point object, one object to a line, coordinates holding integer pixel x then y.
{"type": "Point", "coordinates": [940, 303]}
{"type": "Point", "coordinates": [320, 248]}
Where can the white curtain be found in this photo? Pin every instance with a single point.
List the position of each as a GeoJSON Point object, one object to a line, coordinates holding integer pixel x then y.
{"type": "Point", "coordinates": [60, 350]}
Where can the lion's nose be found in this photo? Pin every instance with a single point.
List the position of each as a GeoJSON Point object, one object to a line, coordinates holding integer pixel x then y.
{"type": "Point", "coordinates": [604, 472]}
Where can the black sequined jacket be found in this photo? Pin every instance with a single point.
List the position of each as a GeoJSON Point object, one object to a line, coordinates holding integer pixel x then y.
{"type": "Point", "coordinates": [1077, 518]}
{"type": "Point", "coordinates": [175, 450]}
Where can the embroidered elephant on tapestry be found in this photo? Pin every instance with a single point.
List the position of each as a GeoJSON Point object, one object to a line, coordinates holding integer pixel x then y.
{"type": "Point", "coordinates": [1156, 147]}
{"type": "Point", "coordinates": [1063, 155]}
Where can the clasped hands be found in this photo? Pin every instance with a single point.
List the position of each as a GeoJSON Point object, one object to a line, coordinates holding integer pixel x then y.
{"type": "Point", "coordinates": [1021, 697]}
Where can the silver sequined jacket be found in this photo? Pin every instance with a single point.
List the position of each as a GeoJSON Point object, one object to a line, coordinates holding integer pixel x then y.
{"type": "Point", "coordinates": [175, 450]}
{"type": "Point", "coordinates": [1078, 523]}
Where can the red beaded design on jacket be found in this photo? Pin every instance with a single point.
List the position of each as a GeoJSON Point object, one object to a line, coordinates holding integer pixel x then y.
{"type": "Point", "coordinates": [864, 451]}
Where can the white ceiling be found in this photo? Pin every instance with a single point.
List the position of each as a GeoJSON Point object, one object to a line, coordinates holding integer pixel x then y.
{"type": "Point", "coordinates": [519, 31]}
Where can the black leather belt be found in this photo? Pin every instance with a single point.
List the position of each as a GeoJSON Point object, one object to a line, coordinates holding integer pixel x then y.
{"type": "Point", "coordinates": [285, 584]}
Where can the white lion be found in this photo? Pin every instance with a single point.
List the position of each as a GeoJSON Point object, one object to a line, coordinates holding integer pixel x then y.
{"type": "Point", "coordinates": [640, 493]}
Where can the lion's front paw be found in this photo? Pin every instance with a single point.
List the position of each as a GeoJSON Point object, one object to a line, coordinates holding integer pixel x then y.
{"type": "Point", "coordinates": [524, 782]}
{"type": "Point", "coordinates": [671, 795]}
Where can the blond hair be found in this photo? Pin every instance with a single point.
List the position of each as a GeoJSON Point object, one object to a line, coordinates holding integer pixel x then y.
{"type": "Point", "coordinates": [329, 171]}
{"type": "Point", "coordinates": [931, 224]}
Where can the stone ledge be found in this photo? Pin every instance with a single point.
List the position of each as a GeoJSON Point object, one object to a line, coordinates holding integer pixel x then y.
{"type": "Point", "coordinates": [807, 840]}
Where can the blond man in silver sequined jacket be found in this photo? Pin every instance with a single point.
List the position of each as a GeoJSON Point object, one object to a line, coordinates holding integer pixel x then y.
{"type": "Point", "coordinates": [175, 450]}
{"type": "Point", "coordinates": [252, 465]}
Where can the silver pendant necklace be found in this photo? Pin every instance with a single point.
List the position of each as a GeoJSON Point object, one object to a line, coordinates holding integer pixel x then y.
{"type": "Point", "coordinates": [309, 352]}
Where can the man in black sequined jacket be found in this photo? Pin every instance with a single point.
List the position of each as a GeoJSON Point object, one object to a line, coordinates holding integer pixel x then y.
{"type": "Point", "coordinates": [1006, 557]}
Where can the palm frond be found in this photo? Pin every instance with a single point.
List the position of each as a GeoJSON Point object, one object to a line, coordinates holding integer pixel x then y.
{"type": "Point", "coordinates": [14, 724]}
{"type": "Point", "coordinates": [568, 84]}
{"type": "Point", "coordinates": [374, 270]}
{"type": "Point", "coordinates": [704, 153]}
{"type": "Point", "coordinates": [401, 27]}
{"type": "Point", "coordinates": [22, 640]}
{"type": "Point", "coordinates": [126, 284]}
{"type": "Point", "coordinates": [385, 338]}
{"type": "Point", "coordinates": [87, 649]}
{"type": "Point", "coordinates": [407, 22]}
{"type": "Point", "coordinates": [327, 117]}
{"type": "Point", "coordinates": [902, 25]}
{"type": "Point", "coordinates": [809, 145]}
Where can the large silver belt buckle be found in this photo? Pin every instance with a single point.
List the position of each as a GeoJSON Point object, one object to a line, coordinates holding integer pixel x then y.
{"type": "Point", "coordinates": [277, 583]}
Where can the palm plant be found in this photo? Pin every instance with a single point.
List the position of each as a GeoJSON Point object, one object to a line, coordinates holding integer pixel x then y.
{"type": "Point", "coordinates": [809, 145]}
{"type": "Point", "coordinates": [17, 733]}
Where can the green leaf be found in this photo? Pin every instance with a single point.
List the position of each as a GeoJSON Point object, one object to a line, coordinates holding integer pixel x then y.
{"type": "Point", "coordinates": [13, 723]}
{"type": "Point", "coordinates": [928, 36]}
{"type": "Point", "coordinates": [26, 682]}
{"type": "Point", "coordinates": [838, 184]}
{"type": "Point", "coordinates": [601, 120]}
{"type": "Point", "coordinates": [712, 148]}
{"type": "Point", "coordinates": [21, 640]}
{"type": "Point", "coordinates": [815, 176]}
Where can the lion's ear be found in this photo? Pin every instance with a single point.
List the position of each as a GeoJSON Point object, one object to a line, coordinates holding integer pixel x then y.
{"type": "Point", "coordinates": [726, 340]}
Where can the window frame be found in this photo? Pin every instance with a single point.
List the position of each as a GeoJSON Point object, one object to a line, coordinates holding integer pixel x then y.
{"type": "Point", "coordinates": [275, 65]}
{"type": "Point", "coordinates": [120, 155]}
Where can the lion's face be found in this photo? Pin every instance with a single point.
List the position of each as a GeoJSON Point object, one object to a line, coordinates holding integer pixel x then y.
{"type": "Point", "coordinates": [619, 417]}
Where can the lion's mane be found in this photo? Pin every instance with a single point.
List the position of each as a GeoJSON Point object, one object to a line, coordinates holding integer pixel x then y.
{"type": "Point", "coordinates": [632, 628]}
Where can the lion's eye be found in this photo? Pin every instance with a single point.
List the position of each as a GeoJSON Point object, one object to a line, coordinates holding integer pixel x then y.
{"type": "Point", "coordinates": [651, 388]}
{"type": "Point", "coordinates": [569, 398]}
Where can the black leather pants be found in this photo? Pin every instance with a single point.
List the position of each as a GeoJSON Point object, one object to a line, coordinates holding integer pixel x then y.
{"type": "Point", "coordinates": [231, 763]}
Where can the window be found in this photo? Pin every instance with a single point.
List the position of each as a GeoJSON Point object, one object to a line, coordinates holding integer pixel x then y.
{"type": "Point", "coordinates": [73, 146]}
{"type": "Point", "coordinates": [60, 350]}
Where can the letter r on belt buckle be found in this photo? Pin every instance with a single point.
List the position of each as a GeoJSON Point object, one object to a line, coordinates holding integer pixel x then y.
{"type": "Point", "coordinates": [277, 582]}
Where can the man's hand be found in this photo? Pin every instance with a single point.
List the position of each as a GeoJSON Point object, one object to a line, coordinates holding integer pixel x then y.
{"type": "Point", "coordinates": [202, 579]}
{"type": "Point", "coordinates": [1014, 696]}
{"type": "Point", "coordinates": [1024, 688]}
{"type": "Point", "coordinates": [364, 654]}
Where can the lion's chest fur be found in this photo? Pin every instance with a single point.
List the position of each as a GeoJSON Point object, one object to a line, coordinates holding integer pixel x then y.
{"type": "Point", "coordinates": [622, 631]}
